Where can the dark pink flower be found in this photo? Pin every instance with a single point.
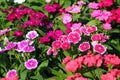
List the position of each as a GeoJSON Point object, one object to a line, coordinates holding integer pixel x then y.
{"type": "Point", "coordinates": [65, 45]}
{"type": "Point", "coordinates": [56, 44]}
{"type": "Point", "coordinates": [99, 48]}
{"type": "Point", "coordinates": [18, 33]}
{"type": "Point", "coordinates": [74, 37]}
{"type": "Point", "coordinates": [84, 46]}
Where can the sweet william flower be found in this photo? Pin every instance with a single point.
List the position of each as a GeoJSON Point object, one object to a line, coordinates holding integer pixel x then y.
{"type": "Point", "coordinates": [66, 18]}
{"type": "Point", "coordinates": [65, 45]}
{"type": "Point", "coordinates": [84, 46]}
{"type": "Point", "coordinates": [32, 35]}
{"type": "Point", "coordinates": [19, 1]}
{"type": "Point", "coordinates": [74, 37]}
{"type": "Point", "coordinates": [12, 72]}
{"type": "Point", "coordinates": [71, 66]}
{"type": "Point", "coordinates": [99, 48]}
{"type": "Point", "coordinates": [107, 26]}
{"type": "Point", "coordinates": [31, 64]}
{"type": "Point", "coordinates": [18, 33]}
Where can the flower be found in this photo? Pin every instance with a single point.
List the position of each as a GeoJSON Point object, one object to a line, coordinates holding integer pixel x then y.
{"type": "Point", "coordinates": [18, 33]}
{"type": "Point", "coordinates": [11, 78]}
{"type": "Point", "coordinates": [11, 73]}
{"type": "Point", "coordinates": [56, 44]}
{"type": "Point", "coordinates": [48, 1]}
{"type": "Point", "coordinates": [66, 60]}
{"type": "Point", "coordinates": [66, 18]}
{"type": "Point", "coordinates": [71, 66]}
{"type": "Point", "coordinates": [99, 48]}
{"type": "Point", "coordinates": [51, 51]}
{"type": "Point", "coordinates": [31, 64]}
{"type": "Point", "coordinates": [74, 37]}
{"type": "Point", "coordinates": [10, 45]}
{"type": "Point", "coordinates": [93, 5]}
{"type": "Point", "coordinates": [107, 26]}
{"type": "Point", "coordinates": [65, 45]}
{"type": "Point", "coordinates": [96, 37]}
{"type": "Point", "coordinates": [84, 46]}
{"type": "Point", "coordinates": [32, 35]}
{"type": "Point", "coordinates": [19, 1]}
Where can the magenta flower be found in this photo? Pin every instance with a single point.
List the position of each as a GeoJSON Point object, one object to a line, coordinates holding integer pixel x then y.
{"type": "Point", "coordinates": [56, 44]}
{"type": "Point", "coordinates": [32, 35]}
{"type": "Point", "coordinates": [10, 46]}
{"type": "Point", "coordinates": [65, 45]}
{"type": "Point", "coordinates": [99, 48]}
{"type": "Point", "coordinates": [52, 51]}
{"type": "Point", "coordinates": [29, 49]}
{"type": "Point", "coordinates": [84, 46]}
{"type": "Point", "coordinates": [96, 37]}
{"type": "Point", "coordinates": [12, 72]}
{"type": "Point", "coordinates": [18, 33]}
{"type": "Point", "coordinates": [66, 18]}
{"type": "Point", "coordinates": [24, 46]}
{"type": "Point", "coordinates": [31, 64]}
{"type": "Point", "coordinates": [74, 37]}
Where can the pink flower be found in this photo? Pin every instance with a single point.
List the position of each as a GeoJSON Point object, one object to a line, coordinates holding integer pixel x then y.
{"type": "Point", "coordinates": [107, 26]}
{"type": "Point", "coordinates": [29, 49]}
{"type": "Point", "coordinates": [51, 51]}
{"type": "Point", "coordinates": [74, 37]}
{"type": "Point", "coordinates": [73, 9]}
{"type": "Point", "coordinates": [80, 78]}
{"type": "Point", "coordinates": [11, 73]}
{"type": "Point", "coordinates": [80, 3]}
{"type": "Point", "coordinates": [32, 35]}
{"type": "Point", "coordinates": [44, 39]}
{"type": "Point", "coordinates": [66, 60]}
{"type": "Point", "coordinates": [93, 5]}
{"type": "Point", "coordinates": [24, 46]}
{"type": "Point", "coordinates": [65, 45]}
{"type": "Point", "coordinates": [99, 48]}
{"type": "Point", "coordinates": [84, 46]}
{"type": "Point", "coordinates": [49, 8]}
{"type": "Point", "coordinates": [56, 44]}
{"type": "Point", "coordinates": [66, 18]}
{"type": "Point", "coordinates": [71, 66]}
{"type": "Point", "coordinates": [10, 46]}
{"type": "Point", "coordinates": [111, 60]}
{"type": "Point", "coordinates": [96, 37]}
{"type": "Point", "coordinates": [31, 64]}
{"type": "Point", "coordinates": [11, 78]}
{"type": "Point", "coordinates": [18, 33]}
{"type": "Point", "coordinates": [108, 77]}
{"type": "Point", "coordinates": [106, 3]}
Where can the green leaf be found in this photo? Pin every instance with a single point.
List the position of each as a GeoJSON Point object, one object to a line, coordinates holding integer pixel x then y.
{"type": "Point", "coordinates": [99, 72]}
{"type": "Point", "coordinates": [41, 32]}
{"type": "Point", "coordinates": [93, 22]}
{"type": "Point", "coordinates": [38, 77]}
{"type": "Point", "coordinates": [42, 65]}
{"type": "Point", "coordinates": [67, 3]}
{"type": "Point", "coordinates": [23, 75]}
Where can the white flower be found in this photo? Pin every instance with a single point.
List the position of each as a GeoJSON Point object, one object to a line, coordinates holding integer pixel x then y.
{"type": "Point", "coordinates": [48, 1]}
{"type": "Point", "coordinates": [19, 1]}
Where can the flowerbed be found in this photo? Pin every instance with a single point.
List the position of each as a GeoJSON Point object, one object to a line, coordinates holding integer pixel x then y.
{"type": "Point", "coordinates": [59, 40]}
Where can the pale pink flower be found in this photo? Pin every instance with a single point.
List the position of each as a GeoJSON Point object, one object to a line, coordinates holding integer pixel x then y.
{"type": "Point", "coordinates": [12, 72]}
{"type": "Point", "coordinates": [56, 44]}
{"type": "Point", "coordinates": [84, 46]}
{"type": "Point", "coordinates": [66, 18]}
{"type": "Point", "coordinates": [99, 48]}
{"type": "Point", "coordinates": [108, 77]}
{"type": "Point", "coordinates": [74, 37]}
{"type": "Point", "coordinates": [107, 26]}
{"type": "Point", "coordinates": [73, 9]}
{"type": "Point", "coordinates": [31, 35]}
{"type": "Point", "coordinates": [80, 3]}
{"type": "Point", "coordinates": [93, 5]}
{"type": "Point", "coordinates": [29, 49]}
